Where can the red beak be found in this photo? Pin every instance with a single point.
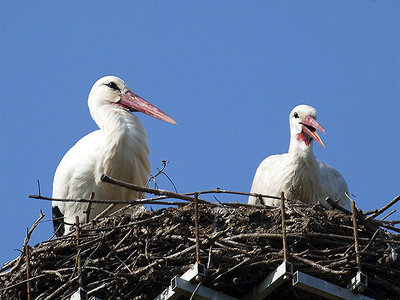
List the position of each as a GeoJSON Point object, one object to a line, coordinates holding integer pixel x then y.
{"type": "Point", "coordinates": [132, 101]}
{"type": "Point", "coordinates": [310, 126]}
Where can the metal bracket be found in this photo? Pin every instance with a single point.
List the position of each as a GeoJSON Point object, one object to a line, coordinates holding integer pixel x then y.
{"type": "Point", "coordinates": [359, 283]}
{"type": "Point", "coordinates": [180, 287]}
{"type": "Point", "coordinates": [195, 273]}
{"type": "Point", "coordinates": [187, 283]}
{"type": "Point", "coordinates": [272, 281]}
{"type": "Point", "coordinates": [80, 294]}
{"type": "Point", "coordinates": [183, 287]}
{"type": "Point", "coordinates": [167, 294]}
{"type": "Point", "coordinates": [323, 288]}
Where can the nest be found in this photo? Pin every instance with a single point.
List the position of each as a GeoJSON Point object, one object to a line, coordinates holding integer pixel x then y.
{"type": "Point", "coordinates": [135, 257]}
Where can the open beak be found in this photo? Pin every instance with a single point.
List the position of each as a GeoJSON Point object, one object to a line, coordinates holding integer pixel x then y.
{"type": "Point", "coordinates": [134, 102]}
{"type": "Point", "coordinates": [310, 126]}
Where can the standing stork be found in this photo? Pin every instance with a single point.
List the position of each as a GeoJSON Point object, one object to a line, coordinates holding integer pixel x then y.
{"type": "Point", "coordinates": [298, 173]}
{"type": "Point", "coordinates": [118, 148]}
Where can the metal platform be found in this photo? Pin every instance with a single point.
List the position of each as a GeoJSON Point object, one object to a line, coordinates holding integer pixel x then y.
{"type": "Point", "coordinates": [323, 288]}
{"type": "Point", "coordinates": [188, 282]}
{"type": "Point", "coordinates": [272, 281]}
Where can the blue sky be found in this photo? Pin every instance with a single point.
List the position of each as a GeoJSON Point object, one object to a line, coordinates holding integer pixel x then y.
{"type": "Point", "coordinates": [229, 72]}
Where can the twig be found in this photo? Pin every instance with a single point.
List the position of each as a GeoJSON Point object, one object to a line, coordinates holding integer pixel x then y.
{"type": "Point", "coordinates": [196, 289]}
{"type": "Point", "coordinates": [88, 208]}
{"type": "Point", "coordinates": [390, 228]}
{"type": "Point", "coordinates": [315, 265]}
{"type": "Point", "coordinates": [9, 264]}
{"type": "Point", "coordinates": [356, 247]}
{"type": "Point", "coordinates": [124, 238]}
{"type": "Point", "coordinates": [334, 238]}
{"type": "Point", "coordinates": [103, 229]}
{"type": "Point", "coordinates": [389, 214]}
{"type": "Point", "coordinates": [62, 288]}
{"type": "Point", "coordinates": [209, 256]}
{"type": "Point", "coordinates": [26, 240]}
{"type": "Point", "coordinates": [372, 239]}
{"type": "Point", "coordinates": [98, 288]}
{"type": "Point", "coordinates": [21, 282]}
{"type": "Point", "coordinates": [393, 222]}
{"type": "Point", "coordinates": [78, 248]}
{"type": "Point", "coordinates": [220, 191]}
{"type": "Point", "coordinates": [154, 200]}
{"type": "Point", "coordinates": [395, 199]}
{"type": "Point", "coordinates": [153, 177]}
{"type": "Point", "coordinates": [28, 272]}
{"type": "Point", "coordinates": [337, 206]}
{"type": "Point", "coordinates": [222, 204]}
{"type": "Point", "coordinates": [108, 179]}
{"type": "Point", "coordinates": [170, 180]}
{"type": "Point", "coordinates": [54, 272]}
{"type": "Point", "coordinates": [234, 268]}
{"type": "Point", "coordinates": [113, 202]}
{"type": "Point", "coordinates": [38, 183]}
{"type": "Point", "coordinates": [104, 212]}
{"type": "Point", "coordinates": [283, 226]}
{"type": "Point", "coordinates": [122, 262]}
{"type": "Point", "coordinates": [370, 212]}
{"type": "Point", "coordinates": [196, 222]}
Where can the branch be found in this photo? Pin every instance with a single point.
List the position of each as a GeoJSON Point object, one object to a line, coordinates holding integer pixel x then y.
{"type": "Point", "coordinates": [315, 265]}
{"type": "Point", "coordinates": [396, 199]}
{"type": "Point", "coordinates": [26, 240]}
{"type": "Point", "coordinates": [168, 194]}
{"type": "Point", "coordinates": [334, 205]}
{"type": "Point", "coordinates": [132, 202]}
{"type": "Point", "coordinates": [153, 177]}
{"type": "Point", "coordinates": [134, 187]}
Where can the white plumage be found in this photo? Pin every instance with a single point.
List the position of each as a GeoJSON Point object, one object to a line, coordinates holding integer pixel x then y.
{"type": "Point", "coordinates": [118, 148]}
{"type": "Point", "coordinates": [298, 173]}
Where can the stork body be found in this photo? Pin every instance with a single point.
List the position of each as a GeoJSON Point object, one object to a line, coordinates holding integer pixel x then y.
{"type": "Point", "coordinates": [119, 149]}
{"type": "Point", "coordinates": [298, 173]}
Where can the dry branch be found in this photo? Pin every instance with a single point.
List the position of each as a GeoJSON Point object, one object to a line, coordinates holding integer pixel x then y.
{"type": "Point", "coordinates": [283, 226]}
{"type": "Point", "coordinates": [18, 262]}
{"type": "Point", "coordinates": [391, 203]}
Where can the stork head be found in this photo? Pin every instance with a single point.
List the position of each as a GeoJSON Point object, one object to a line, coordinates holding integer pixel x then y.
{"type": "Point", "coordinates": [303, 125]}
{"type": "Point", "coordinates": [111, 91]}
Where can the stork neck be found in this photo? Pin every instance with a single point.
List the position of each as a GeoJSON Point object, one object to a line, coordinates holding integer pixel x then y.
{"type": "Point", "coordinates": [299, 148]}
{"type": "Point", "coordinates": [115, 122]}
{"type": "Point", "coordinates": [124, 139]}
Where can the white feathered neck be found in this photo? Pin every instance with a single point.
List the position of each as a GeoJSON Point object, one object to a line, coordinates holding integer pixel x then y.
{"type": "Point", "coordinates": [125, 140]}
{"type": "Point", "coordinates": [303, 166]}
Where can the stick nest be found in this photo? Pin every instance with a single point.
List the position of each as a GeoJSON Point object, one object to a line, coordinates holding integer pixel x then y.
{"type": "Point", "coordinates": [136, 257]}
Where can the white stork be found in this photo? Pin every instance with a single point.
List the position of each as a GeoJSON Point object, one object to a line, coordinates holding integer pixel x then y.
{"type": "Point", "coordinates": [118, 148]}
{"type": "Point", "coordinates": [298, 173]}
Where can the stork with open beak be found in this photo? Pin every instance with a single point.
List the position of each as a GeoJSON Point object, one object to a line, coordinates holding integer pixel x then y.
{"type": "Point", "coordinates": [119, 149]}
{"type": "Point", "coordinates": [298, 173]}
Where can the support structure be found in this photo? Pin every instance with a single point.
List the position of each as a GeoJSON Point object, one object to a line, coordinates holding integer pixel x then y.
{"type": "Point", "coordinates": [187, 283]}
{"type": "Point", "coordinates": [323, 288]}
{"type": "Point", "coordinates": [272, 281]}
{"type": "Point", "coordinates": [359, 282]}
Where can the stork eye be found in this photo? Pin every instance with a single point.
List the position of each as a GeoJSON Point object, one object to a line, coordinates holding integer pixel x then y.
{"type": "Point", "coordinates": [113, 86]}
{"type": "Point", "coordinates": [295, 115]}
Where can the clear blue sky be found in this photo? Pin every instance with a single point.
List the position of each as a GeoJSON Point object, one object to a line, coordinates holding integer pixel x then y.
{"type": "Point", "coordinates": [229, 72]}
